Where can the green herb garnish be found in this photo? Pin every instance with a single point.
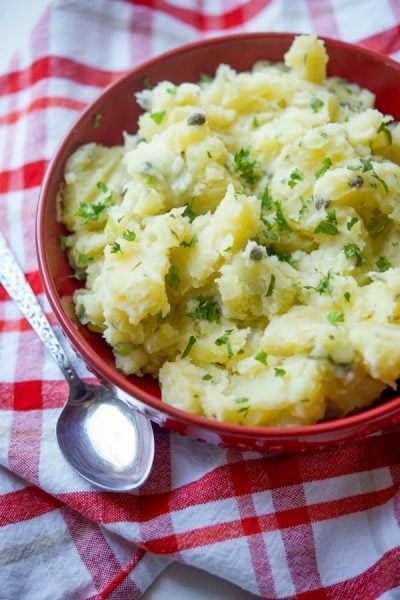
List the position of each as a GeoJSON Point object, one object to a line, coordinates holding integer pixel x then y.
{"type": "Point", "coordinates": [271, 286]}
{"type": "Point", "coordinates": [206, 309]}
{"type": "Point", "coordinates": [335, 317]}
{"type": "Point", "coordinates": [351, 250]}
{"type": "Point", "coordinates": [383, 264]}
{"type": "Point", "coordinates": [381, 181]}
{"type": "Point", "coordinates": [129, 236]}
{"type": "Point", "coordinates": [261, 357]}
{"type": "Point", "coordinates": [255, 122]}
{"type": "Point", "coordinates": [245, 167]}
{"type": "Point", "coordinates": [316, 104]}
{"type": "Point", "coordinates": [279, 372]}
{"type": "Point", "coordinates": [207, 377]}
{"type": "Point", "coordinates": [328, 225]}
{"type": "Point", "coordinates": [351, 223]}
{"type": "Point", "coordinates": [280, 220]}
{"type": "Point", "coordinates": [115, 248]}
{"type": "Point", "coordinates": [294, 178]}
{"type": "Point", "coordinates": [347, 296]}
{"type": "Point", "coordinates": [172, 277]}
{"type": "Point", "coordinates": [189, 346]}
{"type": "Point", "coordinates": [325, 284]}
{"type": "Point", "coordinates": [189, 213]}
{"type": "Point", "coordinates": [158, 117]}
{"type": "Point", "coordinates": [326, 164]}
{"type": "Point", "coordinates": [266, 199]}
{"type": "Point", "coordinates": [84, 259]}
{"type": "Point", "coordinates": [105, 189]}
{"type": "Point", "coordinates": [63, 240]}
{"type": "Point", "coordinates": [385, 129]}
{"type": "Point", "coordinates": [223, 340]}
{"type": "Point", "coordinates": [91, 212]}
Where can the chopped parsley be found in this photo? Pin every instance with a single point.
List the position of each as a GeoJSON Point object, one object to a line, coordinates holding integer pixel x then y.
{"type": "Point", "coordinates": [189, 213]}
{"type": "Point", "coordinates": [304, 208]}
{"type": "Point", "coordinates": [335, 317]}
{"type": "Point", "coordinates": [326, 164]}
{"type": "Point", "coordinates": [129, 236]}
{"type": "Point", "coordinates": [381, 181]}
{"type": "Point", "coordinates": [323, 134]}
{"type": "Point", "coordinates": [241, 400]}
{"type": "Point", "coordinates": [365, 166]}
{"type": "Point", "coordinates": [279, 372]}
{"type": "Point", "coordinates": [172, 90]}
{"type": "Point", "coordinates": [172, 277]}
{"type": "Point", "coordinates": [347, 296]}
{"type": "Point", "coordinates": [223, 340]}
{"type": "Point", "coordinates": [209, 154]}
{"type": "Point", "coordinates": [325, 284]}
{"type": "Point", "coordinates": [115, 248]}
{"type": "Point", "coordinates": [84, 259]}
{"type": "Point", "coordinates": [255, 122]}
{"type": "Point", "coordinates": [271, 286]}
{"type": "Point", "coordinates": [351, 223]}
{"type": "Point", "coordinates": [63, 240]}
{"type": "Point", "coordinates": [206, 309]}
{"type": "Point", "coordinates": [351, 250]}
{"type": "Point", "coordinates": [328, 225]}
{"type": "Point", "coordinates": [158, 117]}
{"type": "Point", "coordinates": [207, 377]}
{"type": "Point", "coordinates": [280, 220]}
{"type": "Point", "coordinates": [294, 178]}
{"type": "Point", "coordinates": [261, 357]}
{"type": "Point", "coordinates": [91, 212]}
{"type": "Point", "coordinates": [385, 129]}
{"type": "Point", "coordinates": [383, 264]}
{"type": "Point", "coordinates": [105, 189]}
{"type": "Point", "coordinates": [316, 104]}
{"type": "Point", "coordinates": [266, 199]}
{"type": "Point", "coordinates": [246, 168]}
{"type": "Point", "coordinates": [189, 346]}
{"type": "Point", "coordinates": [192, 242]}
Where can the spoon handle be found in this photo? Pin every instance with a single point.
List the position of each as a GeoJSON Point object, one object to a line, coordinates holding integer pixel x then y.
{"type": "Point", "coordinates": [14, 281]}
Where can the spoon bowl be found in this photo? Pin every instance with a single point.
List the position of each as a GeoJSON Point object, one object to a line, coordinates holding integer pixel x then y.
{"type": "Point", "coordinates": [102, 437]}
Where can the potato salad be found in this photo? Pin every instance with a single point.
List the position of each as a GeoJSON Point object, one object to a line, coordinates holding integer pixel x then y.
{"type": "Point", "coordinates": [243, 245]}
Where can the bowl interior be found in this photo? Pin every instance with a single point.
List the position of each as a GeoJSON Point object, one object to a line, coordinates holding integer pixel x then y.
{"type": "Point", "coordinates": [119, 112]}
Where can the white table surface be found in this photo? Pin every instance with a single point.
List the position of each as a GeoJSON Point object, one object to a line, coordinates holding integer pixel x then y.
{"type": "Point", "coordinates": [179, 582]}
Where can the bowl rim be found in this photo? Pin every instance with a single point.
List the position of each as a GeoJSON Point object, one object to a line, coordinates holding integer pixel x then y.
{"type": "Point", "coordinates": [365, 416]}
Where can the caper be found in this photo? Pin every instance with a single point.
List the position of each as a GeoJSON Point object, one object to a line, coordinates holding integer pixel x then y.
{"type": "Point", "coordinates": [356, 181]}
{"type": "Point", "coordinates": [321, 203]}
{"type": "Point", "coordinates": [196, 119]}
{"type": "Point", "coordinates": [256, 253]}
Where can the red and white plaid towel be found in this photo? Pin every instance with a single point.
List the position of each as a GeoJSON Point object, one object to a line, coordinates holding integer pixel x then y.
{"type": "Point", "coordinates": [314, 526]}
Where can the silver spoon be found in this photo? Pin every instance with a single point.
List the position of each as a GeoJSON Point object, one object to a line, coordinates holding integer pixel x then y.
{"type": "Point", "coordinates": [104, 439]}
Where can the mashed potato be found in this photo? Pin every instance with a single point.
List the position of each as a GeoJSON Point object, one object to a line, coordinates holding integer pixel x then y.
{"type": "Point", "coordinates": [243, 246]}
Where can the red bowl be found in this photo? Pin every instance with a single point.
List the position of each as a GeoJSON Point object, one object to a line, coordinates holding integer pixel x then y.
{"type": "Point", "coordinates": [119, 113]}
